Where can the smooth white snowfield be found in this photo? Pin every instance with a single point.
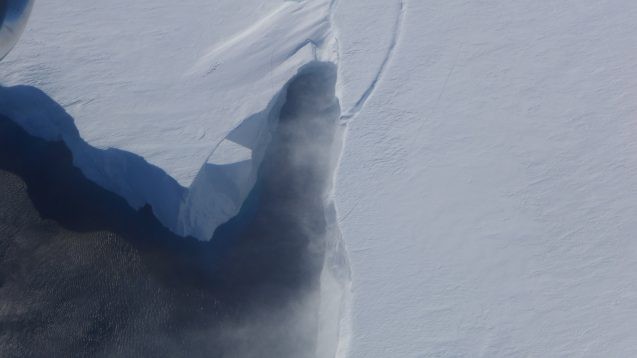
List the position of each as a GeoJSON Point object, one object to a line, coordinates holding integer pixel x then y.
{"type": "Point", "coordinates": [488, 189]}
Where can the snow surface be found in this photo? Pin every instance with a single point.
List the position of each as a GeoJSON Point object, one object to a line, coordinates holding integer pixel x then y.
{"type": "Point", "coordinates": [487, 188]}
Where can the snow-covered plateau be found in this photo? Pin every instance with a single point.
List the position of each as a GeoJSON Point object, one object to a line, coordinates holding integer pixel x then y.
{"type": "Point", "coordinates": [486, 189]}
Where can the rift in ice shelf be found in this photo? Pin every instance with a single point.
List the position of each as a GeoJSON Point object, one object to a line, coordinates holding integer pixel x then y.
{"type": "Point", "coordinates": [13, 19]}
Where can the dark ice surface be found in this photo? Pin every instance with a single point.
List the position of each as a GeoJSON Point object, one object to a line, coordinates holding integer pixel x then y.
{"type": "Point", "coordinates": [83, 274]}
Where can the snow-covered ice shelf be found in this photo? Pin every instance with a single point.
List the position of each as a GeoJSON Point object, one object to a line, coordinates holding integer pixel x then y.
{"type": "Point", "coordinates": [491, 184]}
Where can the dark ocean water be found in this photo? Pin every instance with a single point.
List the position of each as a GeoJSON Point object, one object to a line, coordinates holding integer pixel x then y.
{"type": "Point", "coordinates": [82, 274]}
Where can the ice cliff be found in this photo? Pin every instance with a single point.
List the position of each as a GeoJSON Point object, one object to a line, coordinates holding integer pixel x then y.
{"type": "Point", "coordinates": [159, 107]}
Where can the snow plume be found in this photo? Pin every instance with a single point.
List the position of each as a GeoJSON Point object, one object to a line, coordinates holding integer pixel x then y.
{"type": "Point", "coordinates": [295, 218]}
{"type": "Point", "coordinates": [299, 172]}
